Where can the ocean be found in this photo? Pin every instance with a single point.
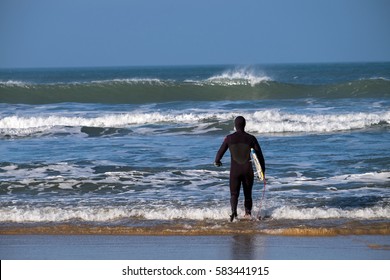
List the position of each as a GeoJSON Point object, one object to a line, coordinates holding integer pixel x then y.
{"type": "Point", "coordinates": [130, 150]}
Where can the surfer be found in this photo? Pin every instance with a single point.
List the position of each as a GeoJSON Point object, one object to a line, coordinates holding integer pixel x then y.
{"type": "Point", "coordinates": [239, 144]}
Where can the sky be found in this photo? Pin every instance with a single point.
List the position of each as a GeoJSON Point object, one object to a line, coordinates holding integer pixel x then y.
{"type": "Point", "coordinates": [89, 33]}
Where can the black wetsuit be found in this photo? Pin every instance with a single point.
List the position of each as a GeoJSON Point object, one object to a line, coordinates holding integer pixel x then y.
{"type": "Point", "coordinates": [241, 171]}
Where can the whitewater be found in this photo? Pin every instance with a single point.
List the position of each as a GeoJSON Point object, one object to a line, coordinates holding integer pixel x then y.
{"type": "Point", "coordinates": [267, 121]}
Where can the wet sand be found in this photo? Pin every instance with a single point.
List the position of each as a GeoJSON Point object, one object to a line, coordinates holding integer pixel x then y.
{"type": "Point", "coordinates": [244, 247]}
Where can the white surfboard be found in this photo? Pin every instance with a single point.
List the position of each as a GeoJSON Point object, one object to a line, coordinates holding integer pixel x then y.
{"type": "Point", "coordinates": [255, 160]}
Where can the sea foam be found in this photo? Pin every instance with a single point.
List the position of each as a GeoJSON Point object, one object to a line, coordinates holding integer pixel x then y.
{"type": "Point", "coordinates": [292, 212]}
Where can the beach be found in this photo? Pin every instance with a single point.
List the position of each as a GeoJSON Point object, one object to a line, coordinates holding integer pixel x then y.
{"type": "Point", "coordinates": [234, 247]}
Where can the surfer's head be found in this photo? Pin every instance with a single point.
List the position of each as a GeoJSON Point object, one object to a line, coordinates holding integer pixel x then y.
{"type": "Point", "coordinates": [239, 123]}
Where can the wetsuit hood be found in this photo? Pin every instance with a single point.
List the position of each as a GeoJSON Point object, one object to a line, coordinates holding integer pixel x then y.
{"type": "Point", "coordinates": [239, 123]}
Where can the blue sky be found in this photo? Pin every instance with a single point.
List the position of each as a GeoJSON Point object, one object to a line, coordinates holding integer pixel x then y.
{"type": "Point", "coordinates": [73, 33]}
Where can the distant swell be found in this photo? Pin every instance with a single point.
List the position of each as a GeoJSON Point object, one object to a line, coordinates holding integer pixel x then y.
{"type": "Point", "coordinates": [216, 88]}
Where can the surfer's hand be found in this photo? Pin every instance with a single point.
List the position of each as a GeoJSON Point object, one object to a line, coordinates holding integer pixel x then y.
{"type": "Point", "coordinates": [218, 163]}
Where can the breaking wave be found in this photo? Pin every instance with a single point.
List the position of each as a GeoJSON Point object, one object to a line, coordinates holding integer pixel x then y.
{"type": "Point", "coordinates": [107, 214]}
{"type": "Point", "coordinates": [267, 121]}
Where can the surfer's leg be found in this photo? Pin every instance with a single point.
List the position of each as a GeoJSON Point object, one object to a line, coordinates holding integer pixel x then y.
{"type": "Point", "coordinates": [235, 183]}
{"type": "Point", "coordinates": [247, 186]}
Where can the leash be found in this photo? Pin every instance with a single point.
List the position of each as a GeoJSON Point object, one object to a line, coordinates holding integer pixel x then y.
{"type": "Point", "coordinates": [261, 200]}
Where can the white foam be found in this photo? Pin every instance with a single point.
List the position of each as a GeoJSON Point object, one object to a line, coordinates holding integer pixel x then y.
{"type": "Point", "coordinates": [275, 121]}
{"type": "Point", "coordinates": [12, 83]}
{"type": "Point", "coordinates": [104, 214]}
{"type": "Point", "coordinates": [339, 180]}
{"type": "Point", "coordinates": [41, 172]}
{"type": "Point", "coordinates": [369, 177]}
{"type": "Point", "coordinates": [378, 78]}
{"type": "Point", "coordinates": [132, 81]}
{"type": "Point", "coordinates": [242, 76]}
{"type": "Point", "coordinates": [292, 212]}
{"type": "Point", "coordinates": [109, 120]}
{"type": "Point", "coordinates": [9, 167]}
{"type": "Point", "coordinates": [266, 121]}
{"type": "Point", "coordinates": [25, 125]}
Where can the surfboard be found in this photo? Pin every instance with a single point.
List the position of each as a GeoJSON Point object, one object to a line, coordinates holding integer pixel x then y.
{"type": "Point", "coordinates": [260, 174]}
{"type": "Point", "coordinates": [255, 160]}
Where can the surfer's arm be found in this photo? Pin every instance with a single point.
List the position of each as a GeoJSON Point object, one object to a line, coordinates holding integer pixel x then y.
{"type": "Point", "coordinates": [222, 150]}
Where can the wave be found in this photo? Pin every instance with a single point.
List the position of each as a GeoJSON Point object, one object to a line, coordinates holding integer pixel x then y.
{"type": "Point", "coordinates": [99, 213]}
{"type": "Point", "coordinates": [237, 77]}
{"type": "Point", "coordinates": [106, 214]}
{"type": "Point", "coordinates": [228, 86]}
{"type": "Point", "coordinates": [332, 183]}
{"type": "Point", "coordinates": [275, 121]}
{"type": "Point", "coordinates": [12, 83]}
{"type": "Point", "coordinates": [295, 213]}
{"type": "Point", "coordinates": [266, 121]}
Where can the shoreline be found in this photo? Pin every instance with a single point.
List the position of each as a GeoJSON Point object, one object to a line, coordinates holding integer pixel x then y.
{"type": "Point", "coordinates": [201, 229]}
